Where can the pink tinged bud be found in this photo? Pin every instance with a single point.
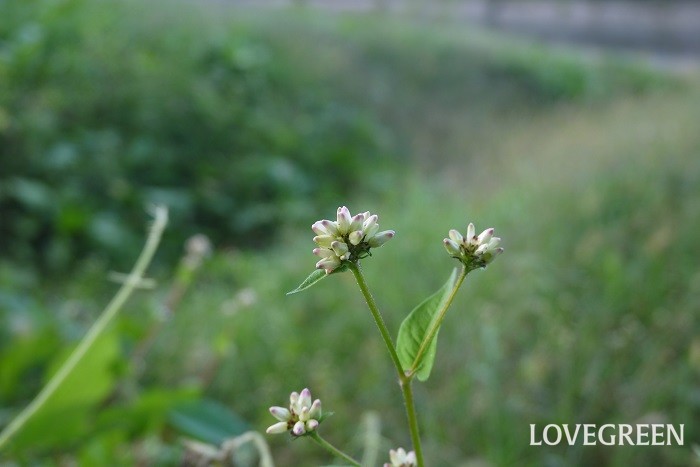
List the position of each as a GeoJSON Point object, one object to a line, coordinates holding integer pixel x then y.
{"type": "Point", "coordinates": [323, 252]}
{"type": "Point", "coordinates": [277, 428]}
{"type": "Point", "coordinates": [371, 221]}
{"type": "Point", "coordinates": [344, 220]}
{"type": "Point", "coordinates": [471, 230]}
{"type": "Point", "coordinates": [451, 247]}
{"type": "Point", "coordinates": [356, 237]}
{"type": "Point", "coordinates": [280, 413]}
{"type": "Point", "coordinates": [311, 425]}
{"type": "Point", "coordinates": [325, 227]}
{"type": "Point", "coordinates": [315, 411]}
{"type": "Point", "coordinates": [339, 248]}
{"type": "Point", "coordinates": [329, 264]}
{"type": "Point", "coordinates": [455, 236]}
{"type": "Point", "coordinates": [485, 236]}
{"type": "Point", "coordinates": [357, 222]}
{"type": "Point", "coordinates": [305, 398]}
{"type": "Point", "coordinates": [381, 238]}
{"type": "Point", "coordinates": [298, 428]}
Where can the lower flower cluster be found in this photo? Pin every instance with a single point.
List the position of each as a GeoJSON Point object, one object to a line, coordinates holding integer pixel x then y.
{"type": "Point", "coordinates": [401, 458]}
{"type": "Point", "coordinates": [302, 417]}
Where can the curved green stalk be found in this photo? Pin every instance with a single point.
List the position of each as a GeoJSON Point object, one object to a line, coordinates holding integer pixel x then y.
{"type": "Point", "coordinates": [132, 281]}
{"type": "Point", "coordinates": [430, 335]}
{"type": "Point", "coordinates": [332, 449]}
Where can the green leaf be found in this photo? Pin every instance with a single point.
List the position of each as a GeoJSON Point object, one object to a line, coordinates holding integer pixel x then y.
{"type": "Point", "coordinates": [313, 278]}
{"type": "Point", "coordinates": [416, 326]}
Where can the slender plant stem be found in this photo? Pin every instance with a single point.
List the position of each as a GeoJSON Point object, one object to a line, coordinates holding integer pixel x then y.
{"type": "Point", "coordinates": [332, 449]}
{"type": "Point", "coordinates": [412, 419]}
{"type": "Point", "coordinates": [404, 379]}
{"type": "Point", "coordinates": [355, 268]}
{"type": "Point", "coordinates": [430, 335]}
{"type": "Point", "coordinates": [132, 281]}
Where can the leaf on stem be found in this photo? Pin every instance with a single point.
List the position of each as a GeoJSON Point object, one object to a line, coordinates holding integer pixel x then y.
{"type": "Point", "coordinates": [416, 327]}
{"type": "Point", "coordinates": [313, 278]}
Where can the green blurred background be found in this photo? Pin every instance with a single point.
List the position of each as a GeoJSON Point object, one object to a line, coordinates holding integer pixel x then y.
{"type": "Point", "coordinates": [250, 124]}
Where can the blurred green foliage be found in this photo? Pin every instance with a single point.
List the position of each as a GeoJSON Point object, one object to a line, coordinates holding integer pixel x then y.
{"type": "Point", "coordinates": [106, 107]}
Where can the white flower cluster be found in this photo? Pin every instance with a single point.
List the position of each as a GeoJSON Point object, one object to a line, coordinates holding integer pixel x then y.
{"type": "Point", "coordinates": [472, 250]}
{"type": "Point", "coordinates": [302, 416]}
{"type": "Point", "coordinates": [401, 458]}
{"type": "Point", "coordinates": [347, 239]}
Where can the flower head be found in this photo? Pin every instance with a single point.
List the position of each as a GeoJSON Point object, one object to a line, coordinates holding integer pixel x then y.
{"type": "Point", "coordinates": [474, 251]}
{"type": "Point", "coordinates": [347, 239]}
{"type": "Point", "coordinates": [400, 458]}
{"type": "Point", "coordinates": [302, 417]}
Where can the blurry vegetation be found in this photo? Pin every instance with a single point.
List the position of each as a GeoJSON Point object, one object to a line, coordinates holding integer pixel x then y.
{"type": "Point", "coordinates": [260, 125]}
{"type": "Point", "coordinates": [106, 107]}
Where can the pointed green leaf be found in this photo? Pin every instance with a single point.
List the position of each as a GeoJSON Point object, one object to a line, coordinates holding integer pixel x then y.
{"type": "Point", "coordinates": [314, 277]}
{"type": "Point", "coordinates": [415, 329]}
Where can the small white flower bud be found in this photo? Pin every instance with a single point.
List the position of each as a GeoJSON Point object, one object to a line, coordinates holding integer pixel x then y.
{"type": "Point", "coordinates": [344, 220]}
{"type": "Point", "coordinates": [381, 238]}
{"type": "Point", "coordinates": [471, 230]}
{"type": "Point", "coordinates": [454, 236]}
{"type": "Point", "coordinates": [323, 252]}
{"type": "Point", "coordinates": [280, 413]}
{"type": "Point", "coordinates": [298, 428]}
{"type": "Point", "coordinates": [277, 428]}
{"type": "Point", "coordinates": [339, 248]}
{"type": "Point", "coordinates": [357, 222]}
{"type": "Point", "coordinates": [324, 240]}
{"type": "Point", "coordinates": [315, 411]}
{"type": "Point", "coordinates": [451, 247]}
{"type": "Point", "coordinates": [485, 236]}
{"type": "Point", "coordinates": [311, 425]}
{"type": "Point", "coordinates": [356, 237]}
{"type": "Point", "coordinates": [305, 398]}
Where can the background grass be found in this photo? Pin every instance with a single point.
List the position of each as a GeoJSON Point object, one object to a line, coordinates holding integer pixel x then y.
{"type": "Point", "coordinates": [589, 171]}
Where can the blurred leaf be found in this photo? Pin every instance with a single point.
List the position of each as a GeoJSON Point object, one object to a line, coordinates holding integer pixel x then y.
{"type": "Point", "coordinates": [208, 421]}
{"type": "Point", "coordinates": [65, 417]}
{"type": "Point", "coordinates": [415, 327]}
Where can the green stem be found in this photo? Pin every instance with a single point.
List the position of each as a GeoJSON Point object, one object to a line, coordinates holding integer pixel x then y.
{"type": "Point", "coordinates": [332, 449]}
{"type": "Point", "coordinates": [430, 335]}
{"type": "Point", "coordinates": [412, 419]}
{"type": "Point", "coordinates": [132, 281]}
{"type": "Point", "coordinates": [404, 379]}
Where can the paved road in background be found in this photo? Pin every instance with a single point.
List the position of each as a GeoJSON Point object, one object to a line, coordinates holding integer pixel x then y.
{"type": "Point", "coordinates": [666, 32]}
